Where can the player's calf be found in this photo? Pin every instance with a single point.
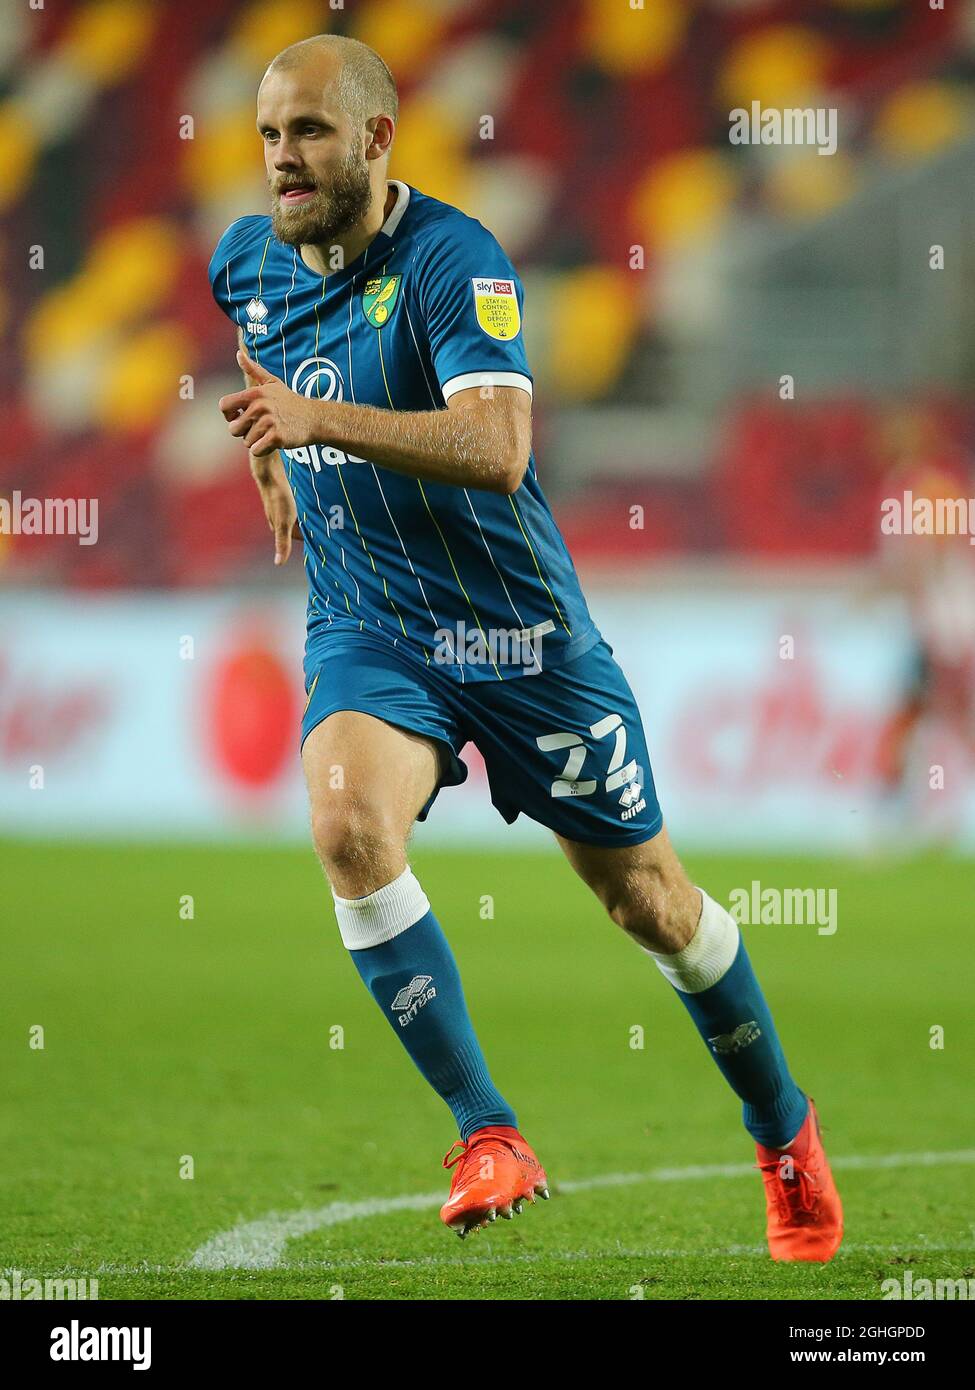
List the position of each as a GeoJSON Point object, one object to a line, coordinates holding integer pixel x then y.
{"type": "Point", "coordinates": [643, 888]}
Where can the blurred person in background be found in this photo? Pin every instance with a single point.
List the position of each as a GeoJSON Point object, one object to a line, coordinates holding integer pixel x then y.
{"type": "Point", "coordinates": [932, 565]}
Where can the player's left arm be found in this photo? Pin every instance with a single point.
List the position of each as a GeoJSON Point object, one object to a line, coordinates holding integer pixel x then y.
{"type": "Point", "coordinates": [482, 440]}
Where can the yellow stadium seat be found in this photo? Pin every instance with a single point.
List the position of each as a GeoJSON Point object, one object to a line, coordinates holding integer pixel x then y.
{"type": "Point", "coordinates": [134, 265]}
{"type": "Point", "coordinates": [921, 118]}
{"type": "Point", "coordinates": [684, 197]}
{"type": "Point", "coordinates": [141, 378]}
{"type": "Point", "coordinates": [20, 147]}
{"type": "Point", "coordinates": [106, 39]}
{"type": "Point", "coordinates": [594, 315]}
{"type": "Point", "coordinates": [267, 26]}
{"type": "Point", "coordinates": [70, 318]}
{"type": "Point", "coordinates": [406, 33]}
{"type": "Point", "coordinates": [779, 66]}
{"type": "Point", "coordinates": [222, 150]}
{"type": "Point", "coordinates": [129, 271]}
{"type": "Point", "coordinates": [627, 41]}
{"type": "Point", "coordinates": [429, 151]}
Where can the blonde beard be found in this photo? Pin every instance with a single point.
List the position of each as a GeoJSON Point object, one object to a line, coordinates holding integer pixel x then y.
{"type": "Point", "coordinates": [331, 213]}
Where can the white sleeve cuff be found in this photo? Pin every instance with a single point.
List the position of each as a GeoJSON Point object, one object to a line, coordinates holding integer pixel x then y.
{"type": "Point", "coordinates": [469, 379]}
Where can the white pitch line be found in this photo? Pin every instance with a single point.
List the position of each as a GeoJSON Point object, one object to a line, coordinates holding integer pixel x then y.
{"type": "Point", "coordinates": [260, 1244]}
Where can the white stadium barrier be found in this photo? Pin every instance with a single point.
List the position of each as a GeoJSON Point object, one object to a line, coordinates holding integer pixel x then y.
{"type": "Point", "coordinates": [177, 716]}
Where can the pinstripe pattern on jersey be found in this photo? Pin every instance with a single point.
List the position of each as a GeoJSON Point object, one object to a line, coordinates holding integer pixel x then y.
{"type": "Point", "coordinates": [339, 466]}
{"type": "Point", "coordinates": [443, 538]}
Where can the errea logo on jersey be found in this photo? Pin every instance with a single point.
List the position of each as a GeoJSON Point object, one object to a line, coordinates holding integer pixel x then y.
{"type": "Point", "coordinates": [496, 307]}
{"type": "Point", "coordinates": [256, 312]}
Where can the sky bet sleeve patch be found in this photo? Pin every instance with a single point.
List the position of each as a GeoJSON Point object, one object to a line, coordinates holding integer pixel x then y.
{"type": "Point", "coordinates": [496, 306]}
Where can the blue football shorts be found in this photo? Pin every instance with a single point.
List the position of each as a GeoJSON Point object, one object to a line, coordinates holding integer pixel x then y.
{"type": "Point", "coordinates": [565, 746]}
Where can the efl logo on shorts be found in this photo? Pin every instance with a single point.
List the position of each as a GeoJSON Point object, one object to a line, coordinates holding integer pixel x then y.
{"type": "Point", "coordinates": [496, 306]}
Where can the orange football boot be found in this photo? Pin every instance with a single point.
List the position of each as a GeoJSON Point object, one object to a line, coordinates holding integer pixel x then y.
{"type": "Point", "coordinates": [495, 1172]}
{"type": "Point", "coordinates": [805, 1215]}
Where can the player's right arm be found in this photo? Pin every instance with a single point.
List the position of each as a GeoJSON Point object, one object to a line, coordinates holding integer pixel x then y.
{"type": "Point", "coordinates": [277, 499]}
{"type": "Point", "coordinates": [278, 502]}
{"type": "Point", "coordinates": [267, 471]}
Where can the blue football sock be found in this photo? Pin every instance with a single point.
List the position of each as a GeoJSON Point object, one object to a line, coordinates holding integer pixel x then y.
{"type": "Point", "coordinates": [413, 977]}
{"type": "Point", "coordinates": [734, 1020]}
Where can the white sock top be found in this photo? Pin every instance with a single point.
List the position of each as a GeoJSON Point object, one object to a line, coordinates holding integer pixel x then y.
{"type": "Point", "coordinates": [709, 953]}
{"type": "Point", "coordinates": [378, 917]}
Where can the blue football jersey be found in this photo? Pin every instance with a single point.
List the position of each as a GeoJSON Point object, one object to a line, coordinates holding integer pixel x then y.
{"type": "Point", "coordinates": [431, 307]}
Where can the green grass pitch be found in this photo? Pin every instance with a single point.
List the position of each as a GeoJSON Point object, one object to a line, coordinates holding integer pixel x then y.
{"type": "Point", "coordinates": [212, 1037]}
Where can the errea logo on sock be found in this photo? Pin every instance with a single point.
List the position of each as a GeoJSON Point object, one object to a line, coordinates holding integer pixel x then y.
{"type": "Point", "coordinates": [412, 997]}
{"type": "Point", "coordinates": [726, 1044]}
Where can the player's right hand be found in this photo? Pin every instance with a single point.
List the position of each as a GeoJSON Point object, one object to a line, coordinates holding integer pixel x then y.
{"type": "Point", "coordinates": [278, 502]}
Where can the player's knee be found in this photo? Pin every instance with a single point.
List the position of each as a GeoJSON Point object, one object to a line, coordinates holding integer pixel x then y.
{"type": "Point", "coordinates": [355, 845]}
{"type": "Point", "coordinates": [657, 911]}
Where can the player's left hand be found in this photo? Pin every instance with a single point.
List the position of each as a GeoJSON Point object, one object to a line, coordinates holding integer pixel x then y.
{"type": "Point", "coordinates": [266, 415]}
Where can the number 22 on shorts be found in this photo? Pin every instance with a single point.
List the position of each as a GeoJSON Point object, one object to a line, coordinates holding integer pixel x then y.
{"type": "Point", "coordinates": [567, 783]}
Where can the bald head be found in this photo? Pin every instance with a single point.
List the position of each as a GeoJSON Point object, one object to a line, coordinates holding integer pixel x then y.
{"type": "Point", "coordinates": [364, 84]}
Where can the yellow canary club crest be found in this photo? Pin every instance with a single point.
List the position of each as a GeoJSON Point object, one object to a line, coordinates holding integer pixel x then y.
{"type": "Point", "coordinates": [380, 297]}
{"type": "Point", "coordinates": [496, 307]}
